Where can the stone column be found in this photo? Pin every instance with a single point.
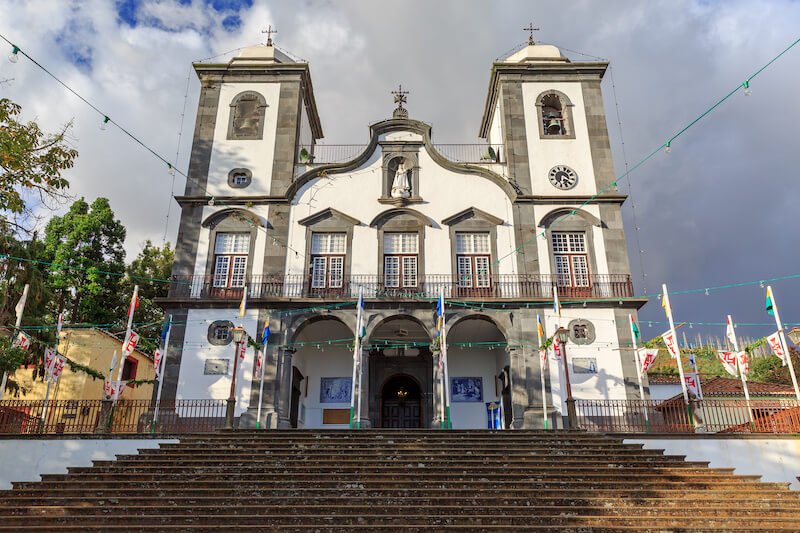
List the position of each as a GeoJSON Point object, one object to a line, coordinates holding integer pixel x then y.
{"type": "Point", "coordinates": [285, 388]}
{"type": "Point", "coordinates": [364, 392]}
{"type": "Point", "coordinates": [519, 386]}
{"type": "Point", "coordinates": [269, 419]}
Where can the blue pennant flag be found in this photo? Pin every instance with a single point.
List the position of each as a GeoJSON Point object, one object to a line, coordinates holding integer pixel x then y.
{"type": "Point", "coordinates": [165, 330]}
{"type": "Point", "coordinates": [440, 313]}
{"type": "Point", "coordinates": [265, 335]}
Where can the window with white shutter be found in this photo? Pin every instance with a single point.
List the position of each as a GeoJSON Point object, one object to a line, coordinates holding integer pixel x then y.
{"type": "Point", "coordinates": [230, 259]}
{"type": "Point", "coordinates": [571, 260]}
{"type": "Point", "coordinates": [400, 256]}
{"type": "Point", "coordinates": [473, 260]}
{"type": "Point", "coordinates": [328, 251]}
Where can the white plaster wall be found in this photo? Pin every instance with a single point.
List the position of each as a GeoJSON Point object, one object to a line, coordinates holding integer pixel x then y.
{"type": "Point", "coordinates": [193, 384]}
{"type": "Point", "coordinates": [203, 243]}
{"type": "Point", "coordinates": [445, 193]}
{"type": "Point", "coordinates": [474, 362]}
{"type": "Point", "coordinates": [26, 460]}
{"type": "Point", "coordinates": [256, 155]}
{"type": "Point", "coordinates": [775, 460]}
{"type": "Point", "coordinates": [544, 154]}
{"type": "Point", "coordinates": [315, 363]}
{"type": "Point", "coordinates": [544, 249]}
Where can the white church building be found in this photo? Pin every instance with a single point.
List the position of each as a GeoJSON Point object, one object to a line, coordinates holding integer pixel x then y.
{"type": "Point", "coordinates": [495, 227]}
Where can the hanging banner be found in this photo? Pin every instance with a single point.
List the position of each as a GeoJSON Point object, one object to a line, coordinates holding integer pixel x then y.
{"type": "Point", "coordinates": [671, 341]}
{"type": "Point", "coordinates": [543, 357]}
{"type": "Point", "coordinates": [130, 343]}
{"type": "Point", "coordinates": [692, 384]}
{"type": "Point", "coordinates": [556, 349]}
{"type": "Point", "coordinates": [22, 341]}
{"type": "Point", "coordinates": [57, 367]}
{"type": "Point", "coordinates": [729, 362]}
{"type": "Point", "coordinates": [116, 389]}
{"type": "Point", "coordinates": [775, 343]}
{"type": "Point", "coordinates": [242, 351]}
{"type": "Point", "coordinates": [157, 362]}
{"type": "Point", "coordinates": [49, 354]}
{"type": "Point", "coordinates": [647, 356]}
{"type": "Point", "coordinates": [744, 363]}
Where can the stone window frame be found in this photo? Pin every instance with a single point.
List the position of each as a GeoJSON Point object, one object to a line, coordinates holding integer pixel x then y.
{"type": "Point", "coordinates": [409, 152]}
{"type": "Point", "coordinates": [402, 220]}
{"type": "Point", "coordinates": [232, 221]}
{"type": "Point", "coordinates": [566, 114]}
{"type": "Point", "coordinates": [236, 171]}
{"type": "Point", "coordinates": [262, 109]}
{"type": "Point", "coordinates": [580, 222]}
{"type": "Point", "coordinates": [591, 335]}
{"type": "Point", "coordinates": [473, 220]}
{"type": "Point", "coordinates": [330, 221]}
{"type": "Point", "coordinates": [211, 334]}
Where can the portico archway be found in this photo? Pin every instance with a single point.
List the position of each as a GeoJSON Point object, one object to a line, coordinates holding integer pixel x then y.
{"type": "Point", "coordinates": [401, 403]}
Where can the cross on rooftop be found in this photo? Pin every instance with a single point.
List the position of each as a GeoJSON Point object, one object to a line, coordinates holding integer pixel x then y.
{"type": "Point", "coordinates": [531, 29]}
{"type": "Point", "coordinates": [400, 96]}
{"type": "Point", "coordinates": [269, 31]}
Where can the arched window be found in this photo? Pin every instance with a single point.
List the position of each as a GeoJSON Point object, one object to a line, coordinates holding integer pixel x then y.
{"type": "Point", "coordinates": [247, 116]}
{"type": "Point", "coordinates": [555, 115]}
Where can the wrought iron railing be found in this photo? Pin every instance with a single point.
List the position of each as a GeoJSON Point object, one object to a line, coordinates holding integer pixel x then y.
{"type": "Point", "coordinates": [674, 416]}
{"type": "Point", "coordinates": [429, 286]}
{"type": "Point", "coordinates": [321, 154]}
{"type": "Point", "coordinates": [99, 416]}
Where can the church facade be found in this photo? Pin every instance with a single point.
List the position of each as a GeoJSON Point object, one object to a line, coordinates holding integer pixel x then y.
{"type": "Point", "coordinates": [307, 227]}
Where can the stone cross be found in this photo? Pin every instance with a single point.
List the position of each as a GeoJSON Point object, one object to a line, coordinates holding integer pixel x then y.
{"type": "Point", "coordinates": [400, 97]}
{"type": "Point", "coordinates": [269, 31]}
{"type": "Point", "coordinates": [531, 29]}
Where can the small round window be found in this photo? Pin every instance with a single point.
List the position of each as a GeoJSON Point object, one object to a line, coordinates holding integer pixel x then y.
{"type": "Point", "coordinates": [239, 178]}
{"type": "Point", "coordinates": [220, 332]}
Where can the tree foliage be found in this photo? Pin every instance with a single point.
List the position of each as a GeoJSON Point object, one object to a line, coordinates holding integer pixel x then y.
{"type": "Point", "coordinates": [31, 163]}
{"type": "Point", "coordinates": [152, 263]}
{"type": "Point", "coordinates": [88, 240]}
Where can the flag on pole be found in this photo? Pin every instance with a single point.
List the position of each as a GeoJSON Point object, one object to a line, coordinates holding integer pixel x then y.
{"type": "Point", "coordinates": [259, 363]}
{"type": "Point", "coordinates": [770, 302]}
{"type": "Point", "coordinates": [692, 383]}
{"type": "Point", "coordinates": [744, 363]}
{"type": "Point", "coordinates": [557, 348]}
{"type": "Point", "coordinates": [647, 356]}
{"type": "Point", "coordinates": [157, 355]}
{"type": "Point", "coordinates": [242, 351]}
{"type": "Point", "coordinates": [729, 362]}
{"type": "Point", "coordinates": [665, 304]}
{"type": "Point", "coordinates": [49, 355]}
{"type": "Point", "coordinates": [775, 343]}
{"type": "Point", "coordinates": [637, 335]}
{"type": "Point", "coordinates": [556, 303]}
{"type": "Point", "coordinates": [134, 303]}
{"type": "Point", "coordinates": [243, 304]}
{"type": "Point", "coordinates": [671, 341]}
{"type": "Point", "coordinates": [730, 332]}
{"type": "Point", "coordinates": [115, 389]}
{"type": "Point", "coordinates": [20, 307]}
{"type": "Point", "coordinates": [131, 340]}
{"type": "Point", "coordinates": [165, 331]}
{"type": "Point", "coordinates": [440, 314]}
{"type": "Point", "coordinates": [22, 341]}
{"type": "Point", "coordinates": [265, 333]}
{"type": "Point", "coordinates": [539, 327]}
{"type": "Point", "coordinates": [543, 355]}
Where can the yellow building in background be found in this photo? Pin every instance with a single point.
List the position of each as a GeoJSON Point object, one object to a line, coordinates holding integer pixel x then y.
{"type": "Point", "coordinates": [93, 348]}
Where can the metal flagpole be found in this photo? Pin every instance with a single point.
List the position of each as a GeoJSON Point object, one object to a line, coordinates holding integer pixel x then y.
{"type": "Point", "coordinates": [785, 346]}
{"type": "Point", "coordinates": [356, 353]}
{"type": "Point", "coordinates": [360, 362]}
{"type": "Point", "coordinates": [732, 337]}
{"type": "Point", "coordinates": [48, 371]}
{"type": "Point", "coordinates": [134, 302]}
{"type": "Point", "coordinates": [19, 309]}
{"type": "Point", "coordinates": [639, 370]}
{"type": "Point", "coordinates": [443, 347]}
{"type": "Point", "coordinates": [542, 363]}
{"type": "Point", "coordinates": [668, 308]}
{"type": "Point", "coordinates": [264, 340]}
{"type": "Point", "coordinates": [160, 370]}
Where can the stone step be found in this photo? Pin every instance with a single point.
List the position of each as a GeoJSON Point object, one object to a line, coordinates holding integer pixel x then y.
{"type": "Point", "coordinates": [466, 520]}
{"type": "Point", "coordinates": [415, 527]}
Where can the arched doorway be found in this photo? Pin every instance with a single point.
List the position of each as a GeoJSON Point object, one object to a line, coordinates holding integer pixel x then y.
{"type": "Point", "coordinates": [401, 403]}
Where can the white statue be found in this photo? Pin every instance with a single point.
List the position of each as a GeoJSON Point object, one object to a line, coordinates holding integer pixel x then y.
{"type": "Point", "coordinates": [401, 186]}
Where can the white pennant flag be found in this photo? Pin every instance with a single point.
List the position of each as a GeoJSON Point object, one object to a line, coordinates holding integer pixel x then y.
{"type": "Point", "coordinates": [671, 341]}
{"type": "Point", "coordinates": [242, 351]}
{"type": "Point", "coordinates": [692, 383]}
{"type": "Point", "coordinates": [647, 356]}
{"type": "Point", "coordinates": [49, 354]}
{"type": "Point", "coordinates": [543, 356]}
{"type": "Point", "coordinates": [157, 362]}
{"type": "Point", "coordinates": [57, 367]}
{"type": "Point", "coordinates": [131, 340]}
{"type": "Point", "coordinates": [20, 307]}
{"type": "Point", "coordinates": [730, 333]}
{"type": "Point", "coordinates": [729, 362]}
{"type": "Point", "coordinates": [22, 341]}
{"type": "Point", "coordinates": [775, 343]}
{"type": "Point", "coordinates": [744, 363]}
{"type": "Point", "coordinates": [116, 389]}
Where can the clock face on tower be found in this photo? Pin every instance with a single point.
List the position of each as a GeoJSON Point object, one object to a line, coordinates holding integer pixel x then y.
{"type": "Point", "coordinates": [562, 177]}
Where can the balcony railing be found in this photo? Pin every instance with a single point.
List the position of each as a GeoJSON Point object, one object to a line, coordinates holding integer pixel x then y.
{"type": "Point", "coordinates": [492, 287]}
{"type": "Point", "coordinates": [321, 154]}
{"type": "Point", "coordinates": [673, 416]}
{"type": "Point", "coordinates": [98, 416]}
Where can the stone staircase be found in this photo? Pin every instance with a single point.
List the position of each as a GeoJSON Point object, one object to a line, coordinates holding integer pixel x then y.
{"type": "Point", "coordinates": [403, 480]}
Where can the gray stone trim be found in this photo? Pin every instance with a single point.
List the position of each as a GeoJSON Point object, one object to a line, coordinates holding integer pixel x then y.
{"type": "Point", "coordinates": [402, 221]}
{"type": "Point", "coordinates": [516, 135]}
{"type": "Point", "coordinates": [390, 214]}
{"type": "Point", "coordinates": [614, 239]}
{"type": "Point", "coordinates": [555, 215]}
{"type": "Point", "coordinates": [230, 225]}
{"type": "Point", "coordinates": [627, 356]}
{"type": "Point", "coordinates": [172, 365]}
{"type": "Point", "coordinates": [326, 214]}
{"type": "Point", "coordinates": [187, 241]}
{"type": "Point", "coordinates": [471, 212]}
{"type": "Point", "coordinates": [211, 336]}
{"type": "Point", "coordinates": [409, 152]}
{"type": "Point", "coordinates": [236, 171]}
{"type": "Point", "coordinates": [469, 225]}
{"type": "Point", "coordinates": [566, 110]}
{"type": "Point", "coordinates": [571, 199]}
{"type": "Point", "coordinates": [578, 225]}
{"type": "Point", "coordinates": [331, 224]}
{"type": "Point", "coordinates": [590, 333]}
{"type": "Point", "coordinates": [599, 143]}
{"type": "Point", "coordinates": [214, 219]}
{"type": "Point", "coordinates": [388, 126]}
{"type": "Point", "coordinates": [287, 131]}
{"type": "Point", "coordinates": [205, 123]}
{"type": "Point", "coordinates": [261, 111]}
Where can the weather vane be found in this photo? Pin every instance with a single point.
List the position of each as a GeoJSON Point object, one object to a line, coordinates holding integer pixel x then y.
{"type": "Point", "coordinates": [399, 99]}
{"type": "Point", "coordinates": [269, 31]}
{"type": "Point", "coordinates": [531, 29]}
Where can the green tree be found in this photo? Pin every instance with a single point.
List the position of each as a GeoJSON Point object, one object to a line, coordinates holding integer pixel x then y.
{"type": "Point", "coordinates": [31, 164]}
{"type": "Point", "coordinates": [85, 246]}
{"type": "Point", "coordinates": [771, 370]}
{"type": "Point", "coordinates": [10, 360]}
{"type": "Point", "coordinates": [152, 263]}
{"type": "Point", "coordinates": [15, 273]}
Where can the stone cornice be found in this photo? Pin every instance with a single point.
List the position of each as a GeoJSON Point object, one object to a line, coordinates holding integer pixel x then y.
{"type": "Point", "coordinates": [225, 201]}
{"type": "Point", "coordinates": [571, 200]}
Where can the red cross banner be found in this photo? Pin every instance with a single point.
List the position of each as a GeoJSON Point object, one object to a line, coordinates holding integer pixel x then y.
{"type": "Point", "coordinates": [242, 351]}
{"type": "Point", "coordinates": [157, 362]}
{"type": "Point", "coordinates": [671, 340]}
{"type": "Point", "coordinates": [775, 343]}
{"type": "Point", "coordinates": [729, 362]}
{"type": "Point", "coordinates": [130, 343]}
{"type": "Point", "coordinates": [692, 383]}
{"type": "Point", "coordinates": [22, 341]}
{"type": "Point", "coordinates": [57, 367]}
{"type": "Point", "coordinates": [556, 349]}
{"type": "Point", "coordinates": [49, 353]}
{"type": "Point", "coordinates": [744, 363]}
{"type": "Point", "coordinates": [259, 363]}
{"type": "Point", "coordinates": [543, 355]}
{"type": "Point", "coordinates": [647, 356]}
